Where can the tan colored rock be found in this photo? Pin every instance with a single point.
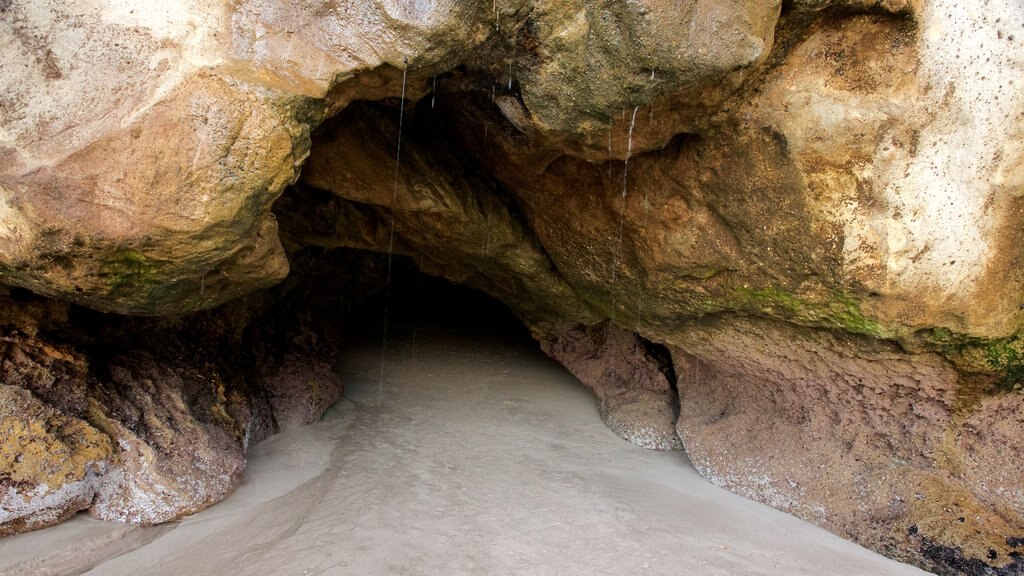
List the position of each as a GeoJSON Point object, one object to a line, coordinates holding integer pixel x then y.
{"type": "Point", "coordinates": [818, 205]}
{"type": "Point", "coordinates": [594, 59]}
{"type": "Point", "coordinates": [181, 222]}
{"type": "Point", "coordinates": [152, 194]}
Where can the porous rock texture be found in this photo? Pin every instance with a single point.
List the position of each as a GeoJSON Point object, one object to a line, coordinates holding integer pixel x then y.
{"type": "Point", "coordinates": [635, 393]}
{"type": "Point", "coordinates": [143, 420]}
{"type": "Point", "coordinates": [814, 205]}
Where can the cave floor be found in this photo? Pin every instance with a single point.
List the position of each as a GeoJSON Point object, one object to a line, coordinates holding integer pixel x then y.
{"type": "Point", "coordinates": [477, 456]}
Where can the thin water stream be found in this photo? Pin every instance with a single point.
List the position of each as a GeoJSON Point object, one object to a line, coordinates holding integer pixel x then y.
{"type": "Point", "coordinates": [391, 228]}
{"type": "Point", "coordinates": [622, 210]}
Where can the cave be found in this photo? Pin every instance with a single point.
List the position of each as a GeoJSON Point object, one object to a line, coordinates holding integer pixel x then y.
{"type": "Point", "coordinates": [651, 257]}
{"type": "Point", "coordinates": [455, 445]}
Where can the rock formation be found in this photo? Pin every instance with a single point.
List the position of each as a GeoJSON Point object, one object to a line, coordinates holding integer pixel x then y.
{"type": "Point", "coordinates": [799, 220]}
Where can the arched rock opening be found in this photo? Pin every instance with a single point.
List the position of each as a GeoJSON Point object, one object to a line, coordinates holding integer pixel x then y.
{"type": "Point", "coordinates": [813, 207]}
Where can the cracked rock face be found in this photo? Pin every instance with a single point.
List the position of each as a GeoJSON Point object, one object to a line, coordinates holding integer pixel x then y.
{"type": "Point", "coordinates": [814, 205]}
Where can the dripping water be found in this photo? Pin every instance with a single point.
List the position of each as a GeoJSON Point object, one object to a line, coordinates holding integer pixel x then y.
{"type": "Point", "coordinates": [610, 150]}
{"type": "Point", "coordinates": [391, 236]}
{"type": "Point", "coordinates": [629, 151]}
{"type": "Point", "coordinates": [487, 235]}
{"type": "Point", "coordinates": [622, 210]}
{"type": "Point", "coordinates": [643, 226]}
{"type": "Point", "coordinates": [433, 95]}
{"type": "Point", "coordinates": [510, 76]}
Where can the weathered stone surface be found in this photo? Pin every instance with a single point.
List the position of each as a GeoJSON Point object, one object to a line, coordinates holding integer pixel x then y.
{"type": "Point", "coordinates": [51, 464]}
{"type": "Point", "coordinates": [171, 463]}
{"type": "Point", "coordinates": [634, 394]}
{"type": "Point", "coordinates": [850, 433]}
{"type": "Point", "coordinates": [586, 62]}
{"type": "Point", "coordinates": [301, 391]}
{"type": "Point", "coordinates": [837, 183]}
{"type": "Point", "coordinates": [432, 207]}
{"type": "Point", "coordinates": [149, 194]}
{"type": "Point", "coordinates": [143, 420]}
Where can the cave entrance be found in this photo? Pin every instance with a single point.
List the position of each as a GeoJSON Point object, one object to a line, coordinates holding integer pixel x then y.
{"type": "Point", "coordinates": [417, 301]}
{"type": "Point", "coordinates": [419, 318]}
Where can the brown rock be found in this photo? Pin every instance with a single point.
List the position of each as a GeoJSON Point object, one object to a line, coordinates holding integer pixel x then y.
{"type": "Point", "coordinates": [849, 433]}
{"type": "Point", "coordinates": [635, 397]}
{"type": "Point", "coordinates": [835, 183]}
{"type": "Point", "coordinates": [169, 462]}
{"type": "Point", "coordinates": [300, 390]}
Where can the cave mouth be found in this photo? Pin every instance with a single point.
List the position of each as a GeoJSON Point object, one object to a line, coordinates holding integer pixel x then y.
{"type": "Point", "coordinates": [417, 303]}
{"type": "Point", "coordinates": [481, 459]}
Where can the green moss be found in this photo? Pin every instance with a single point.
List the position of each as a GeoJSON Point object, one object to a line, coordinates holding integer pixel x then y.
{"type": "Point", "coordinates": [1002, 358]}
{"type": "Point", "coordinates": [769, 300]}
{"type": "Point", "coordinates": [847, 315]}
{"type": "Point", "coordinates": [129, 273]}
{"type": "Point", "coordinates": [1006, 358]}
{"type": "Point", "coordinates": [842, 312]}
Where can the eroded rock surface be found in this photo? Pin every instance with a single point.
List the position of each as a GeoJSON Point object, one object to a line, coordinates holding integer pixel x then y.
{"type": "Point", "coordinates": [854, 434]}
{"type": "Point", "coordinates": [635, 395]}
{"type": "Point", "coordinates": [146, 421]}
{"type": "Point", "coordinates": [52, 463]}
{"type": "Point", "coordinates": [815, 204]}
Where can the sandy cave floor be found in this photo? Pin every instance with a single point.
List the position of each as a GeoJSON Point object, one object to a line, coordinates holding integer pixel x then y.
{"type": "Point", "coordinates": [477, 456]}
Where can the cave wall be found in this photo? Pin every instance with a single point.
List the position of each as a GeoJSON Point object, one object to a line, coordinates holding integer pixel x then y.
{"type": "Point", "coordinates": [749, 227]}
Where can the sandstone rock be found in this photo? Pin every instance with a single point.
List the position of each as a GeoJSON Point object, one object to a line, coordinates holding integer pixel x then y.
{"type": "Point", "coordinates": [169, 463]}
{"type": "Point", "coordinates": [301, 391]}
{"type": "Point", "coordinates": [990, 458]}
{"type": "Point", "coordinates": [816, 203]}
{"type": "Point", "coordinates": [849, 433]}
{"type": "Point", "coordinates": [151, 195]}
{"type": "Point", "coordinates": [433, 207]}
{"type": "Point", "coordinates": [586, 62]}
{"type": "Point", "coordinates": [141, 420]}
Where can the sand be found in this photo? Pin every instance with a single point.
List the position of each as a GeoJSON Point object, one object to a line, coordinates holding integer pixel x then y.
{"type": "Point", "coordinates": [476, 456]}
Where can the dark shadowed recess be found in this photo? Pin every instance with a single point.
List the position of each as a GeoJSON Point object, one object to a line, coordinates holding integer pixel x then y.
{"type": "Point", "coordinates": [424, 304]}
